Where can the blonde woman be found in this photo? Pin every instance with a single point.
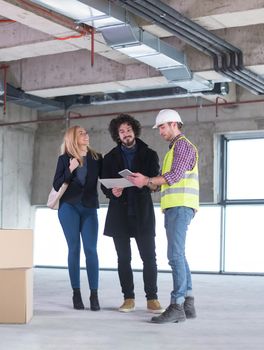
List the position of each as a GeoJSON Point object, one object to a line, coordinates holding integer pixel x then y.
{"type": "Point", "coordinates": [79, 166]}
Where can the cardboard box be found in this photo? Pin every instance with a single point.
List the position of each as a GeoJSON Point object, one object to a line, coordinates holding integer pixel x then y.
{"type": "Point", "coordinates": [16, 249]}
{"type": "Point", "coordinates": [16, 295]}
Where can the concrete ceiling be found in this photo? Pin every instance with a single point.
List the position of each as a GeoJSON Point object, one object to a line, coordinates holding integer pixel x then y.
{"type": "Point", "coordinates": [47, 57]}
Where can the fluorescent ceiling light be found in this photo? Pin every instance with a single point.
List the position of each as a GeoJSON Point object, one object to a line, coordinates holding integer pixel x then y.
{"type": "Point", "coordinates": [79, 11]}
{"type": "Point", "coordinates": [70, 8]}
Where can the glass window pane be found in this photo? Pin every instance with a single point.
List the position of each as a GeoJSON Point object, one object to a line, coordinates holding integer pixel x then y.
{"type": "Point", "coordinates": [202, 246]}
{"type": "Point", "coordinates": [203, 240]}
{"type": "Point", "coordinates": [245, 169]}
{"type": "Point", "coordinates": [244, 238]}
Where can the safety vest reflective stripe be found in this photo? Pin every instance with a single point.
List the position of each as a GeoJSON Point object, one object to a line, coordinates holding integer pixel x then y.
{"type": "Point", "coordinates": [179, 190]}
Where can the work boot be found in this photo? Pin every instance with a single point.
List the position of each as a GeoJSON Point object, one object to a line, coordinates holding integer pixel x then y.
{"type": "Point", "coordinates": [127, 306]}
{"type": "Point", "coordinates": [189, 308]}
{"type": "Point", "coordinates": [94, 302]}
{"type": "Point", "coordinates": [174, 313]}
{"type": "Point", "coordinates": [77, 299]}
{"type": "Point", "coordinates": [153, 306]}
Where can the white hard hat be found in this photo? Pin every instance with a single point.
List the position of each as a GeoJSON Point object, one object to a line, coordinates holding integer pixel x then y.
{"type": "Point", "coordinates": [166, 116]}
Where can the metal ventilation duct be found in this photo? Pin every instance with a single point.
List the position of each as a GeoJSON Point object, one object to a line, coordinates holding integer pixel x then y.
{"type": "Point", "coordinates": [117, 28]}
{"type": "Point", "coordinates": [147, 48]}
{"type": "Point", "coordinates": [19, 97]}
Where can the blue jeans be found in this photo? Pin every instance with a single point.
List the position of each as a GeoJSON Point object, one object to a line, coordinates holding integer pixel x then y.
{"type": "Point", "coordinates": [177, 220]}
{"type": "Point", "coordinates": [78, 222]}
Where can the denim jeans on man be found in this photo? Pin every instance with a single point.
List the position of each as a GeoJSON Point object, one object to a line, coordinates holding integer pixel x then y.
{"type": "Point", "coordinates": [79, 221]}
{"type": "Point", "coordinates": [177, 220]}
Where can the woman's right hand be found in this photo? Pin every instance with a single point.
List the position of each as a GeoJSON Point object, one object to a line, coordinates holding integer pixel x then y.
{"type": "Point", "coordinates": [73, 164]}
{"type": "Point", "coordinates": [117, 192]}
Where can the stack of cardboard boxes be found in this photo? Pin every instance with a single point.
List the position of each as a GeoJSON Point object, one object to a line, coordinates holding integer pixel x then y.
{"type": "Point", "coordinates": [16, 276]}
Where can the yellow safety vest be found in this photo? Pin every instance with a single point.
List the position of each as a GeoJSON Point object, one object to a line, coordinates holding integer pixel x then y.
{"type": "Point", "coordinates": [186, 191]}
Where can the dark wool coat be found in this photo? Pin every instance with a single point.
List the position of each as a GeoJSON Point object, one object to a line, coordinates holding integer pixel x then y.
{"type": "Point", "coordinates": [146, 162]}
{"type": "Point", "coordinates": [88, 192]}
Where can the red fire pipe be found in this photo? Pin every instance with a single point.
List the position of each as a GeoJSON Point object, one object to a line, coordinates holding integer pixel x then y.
{"type": "Point", "coordinates": [92, 47]}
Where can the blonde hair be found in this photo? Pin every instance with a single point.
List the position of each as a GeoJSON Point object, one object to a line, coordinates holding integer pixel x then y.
{"type": "Point", "coordinates": [71, 147]}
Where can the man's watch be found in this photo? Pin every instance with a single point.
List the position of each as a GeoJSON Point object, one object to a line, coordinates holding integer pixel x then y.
{"type": "Point", "coordinates": [149, 181]}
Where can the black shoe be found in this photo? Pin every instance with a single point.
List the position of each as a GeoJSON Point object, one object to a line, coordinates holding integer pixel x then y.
{"type": "Point", "coordinates": [94, 302]}
{"type": "Point", "coordinates": [189, 308]}
{"type": "Point", "coordinates": [77, 300]}
{"type": "Point", "coordinates": [174, 313]}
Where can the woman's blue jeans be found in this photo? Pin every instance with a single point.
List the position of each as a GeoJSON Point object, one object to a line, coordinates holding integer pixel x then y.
{"type": "Point", "coordinates": [79, 222]}
{"type": "Point", "coordinates": [177, 220]}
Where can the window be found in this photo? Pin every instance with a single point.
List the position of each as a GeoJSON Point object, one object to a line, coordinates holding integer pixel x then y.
{"type": "Point", "coordinates": [243, 203]}
{"type": "Point", "coordinates": [202, 246]}
{"type": "Point", "coordinates": [227, 237]}
{"type": "Point", "coordinates": [245, 169]}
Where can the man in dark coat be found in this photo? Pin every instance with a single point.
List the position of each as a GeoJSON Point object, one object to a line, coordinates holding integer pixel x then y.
{"type": "Point", "coordinates": [130, 212]}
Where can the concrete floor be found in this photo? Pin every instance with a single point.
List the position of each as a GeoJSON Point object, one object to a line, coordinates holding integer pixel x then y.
{"type": "Point", "coordinates": [230, 316]}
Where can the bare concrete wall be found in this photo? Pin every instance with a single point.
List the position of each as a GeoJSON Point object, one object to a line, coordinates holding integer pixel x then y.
{"type": "Point", "coordinates": [16, 166]}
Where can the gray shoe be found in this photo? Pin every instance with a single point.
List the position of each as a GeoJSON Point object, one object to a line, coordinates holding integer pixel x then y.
{"type": "Point", "coordinates": [173, 313]}
{"type": "Point", "coordinates": [189, 307]}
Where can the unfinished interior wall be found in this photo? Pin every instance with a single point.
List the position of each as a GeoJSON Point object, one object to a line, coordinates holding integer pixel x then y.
{"type": "Point", "coordinates": [16, 166]}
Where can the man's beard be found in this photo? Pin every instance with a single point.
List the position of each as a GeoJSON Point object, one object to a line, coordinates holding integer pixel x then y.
{"type": "Point", "coordinates": [128, 142]}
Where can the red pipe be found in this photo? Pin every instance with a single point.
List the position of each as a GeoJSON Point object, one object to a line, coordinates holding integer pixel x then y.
{"type": "Point", "coordinates": [69, 37]}
{"type": "Point", "coordinates": [79, 116]}
{"type": "Point", "coordinates": [7, 21]}
{"type": "Point", "coordinates": [92, 47]}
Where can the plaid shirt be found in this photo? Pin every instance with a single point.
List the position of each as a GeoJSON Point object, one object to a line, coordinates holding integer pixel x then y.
{"type": "Point", "coordinates": [184, 160]}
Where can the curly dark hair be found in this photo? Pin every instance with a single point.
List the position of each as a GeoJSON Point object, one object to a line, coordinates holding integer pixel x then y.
{"type": "Point", "coordinates": [121, 119]}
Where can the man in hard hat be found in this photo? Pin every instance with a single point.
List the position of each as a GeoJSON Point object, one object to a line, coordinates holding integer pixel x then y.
{"type": "Point", "coordinates": [179, 201]}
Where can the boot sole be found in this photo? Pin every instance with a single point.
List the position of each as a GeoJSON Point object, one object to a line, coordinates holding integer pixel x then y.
{"type": "Point", "coordinates": [156, 311]}
{"type": "Point", "coordinates": [126, 310]}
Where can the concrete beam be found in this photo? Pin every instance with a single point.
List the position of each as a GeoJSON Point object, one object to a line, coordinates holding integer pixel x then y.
{"type": "Point", "coordinates": [192, 9]}
{"type": "Point", "coordinates": [68, 70]}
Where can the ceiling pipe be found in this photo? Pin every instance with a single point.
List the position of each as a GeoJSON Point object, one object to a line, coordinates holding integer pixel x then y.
{"type": "Point", "coordinates": [205, 39]}
{"type": "Point", "coordinates": [216, 54]}
{"type": "Point", "coordinates": [78, 116]}
{"type": "Point", "coordinates": [228, 59]}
